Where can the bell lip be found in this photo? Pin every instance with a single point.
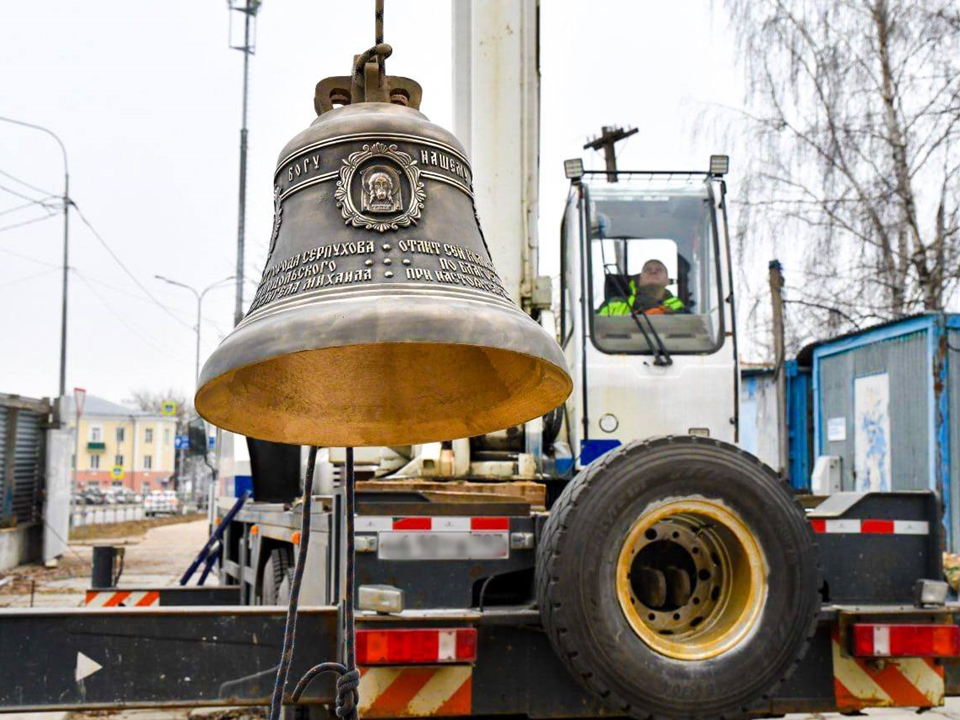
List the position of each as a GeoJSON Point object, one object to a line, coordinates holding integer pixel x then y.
{"type": "Point", "coordinates": [379, 315]}
{"type": "Point", "coordinates": [561, 373]}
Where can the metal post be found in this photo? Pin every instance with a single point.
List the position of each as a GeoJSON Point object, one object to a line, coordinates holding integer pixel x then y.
{"type": "Point", "coordinates": [66, 274]}
{"type": "Point", "coordinates": [196, 373]}
{"type": "Point", "coordinates": [249, 12]}
{"type": "Point", "coordinates": [102, 568]}
{"type": "Point", "coordinates": [199, 296]}
{"type": "Point", "coordinates": [776, 298]}
{"type": "Point", "coordinates": [66, 239]}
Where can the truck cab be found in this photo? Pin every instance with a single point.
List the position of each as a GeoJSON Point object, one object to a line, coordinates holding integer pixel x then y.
{"type": "Point", "coordinates": [647, 359]}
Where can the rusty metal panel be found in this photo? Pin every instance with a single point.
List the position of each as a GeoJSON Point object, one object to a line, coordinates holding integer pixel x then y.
{"type": "Point", "coordinates": [905, 359]}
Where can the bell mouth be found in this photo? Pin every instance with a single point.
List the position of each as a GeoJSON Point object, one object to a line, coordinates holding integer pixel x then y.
{"type": "Point", "coordinates": [382, 365]}
{"type": "Point", "coordinates": [393, 393]}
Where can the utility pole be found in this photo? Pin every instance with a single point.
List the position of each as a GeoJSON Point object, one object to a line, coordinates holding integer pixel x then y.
{"type": "Point", "coordinates": [608, 138]}
{"type": "Point", "coordinates": [249, 8]}
{"type": "Point", "coordinates": [776, 299]}
{"type": "Point", "coordinates": [66, 245]}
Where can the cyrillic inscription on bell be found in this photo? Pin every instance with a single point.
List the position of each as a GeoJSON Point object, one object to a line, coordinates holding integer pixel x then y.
{"type": "Point", "coordinates": [380, 318]}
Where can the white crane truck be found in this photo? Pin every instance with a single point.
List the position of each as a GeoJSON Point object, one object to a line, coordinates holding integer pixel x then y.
{"type": "Point", "coordinates": [620, 556]}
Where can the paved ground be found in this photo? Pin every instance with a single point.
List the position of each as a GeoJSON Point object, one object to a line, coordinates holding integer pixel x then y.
{"type": "Point", "coordinates": [157, 558]}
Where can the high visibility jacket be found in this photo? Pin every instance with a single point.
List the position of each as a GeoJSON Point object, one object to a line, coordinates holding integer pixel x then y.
{"type": "Point", "coordinates": [618, 306]}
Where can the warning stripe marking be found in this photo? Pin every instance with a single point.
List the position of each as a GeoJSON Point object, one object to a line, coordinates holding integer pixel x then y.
{"type": "Point", "coordinates": [416, 691]}
{"type": "Point", "coordinates": [902, 682]}
{"type": "Point", "coordinates": [121, 598]}
{"type": "Point", "coordinates": [369, 523]}
{"type": "Point", "coordinates": [870, 527]}
{"type": "Point", "coordinates": [394, 699]}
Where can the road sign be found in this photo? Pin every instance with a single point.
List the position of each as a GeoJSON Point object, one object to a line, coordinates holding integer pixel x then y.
{"type": "Point", "coordinates": [168, 408]}
{"type": "Point", "coordinates": [116, 472]}
{"type": "Point", "coordinates": [79, 397]}
{"type": "Point", "coordinates": [181, 442]}
{"type": "Point", "coordinates": [212, 442]}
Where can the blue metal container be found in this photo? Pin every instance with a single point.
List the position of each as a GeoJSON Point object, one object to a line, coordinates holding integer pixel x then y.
{"type": "Point", "coordinates": [881, 401]}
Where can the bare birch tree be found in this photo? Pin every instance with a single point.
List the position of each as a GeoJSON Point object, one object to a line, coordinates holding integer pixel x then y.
{"type": "Point", "coordinates": [854, 123]}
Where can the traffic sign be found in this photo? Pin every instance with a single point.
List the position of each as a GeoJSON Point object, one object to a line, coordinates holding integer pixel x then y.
{"type": "Point", "coordinates": [168, 408]}
{"type": "Point", "coordinates": [79, 397]}
{"type": "Point", "coordinates": [116, 472]}
{"type": "Point", "coordinates": [181, 442]}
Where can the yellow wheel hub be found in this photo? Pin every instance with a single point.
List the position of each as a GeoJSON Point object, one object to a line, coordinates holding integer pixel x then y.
{"type": "Point", "coordinates": [691, 579]}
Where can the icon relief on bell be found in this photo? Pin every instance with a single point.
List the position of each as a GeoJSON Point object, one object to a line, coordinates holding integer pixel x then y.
{"type": "Point", "coordinates": [379, 189]}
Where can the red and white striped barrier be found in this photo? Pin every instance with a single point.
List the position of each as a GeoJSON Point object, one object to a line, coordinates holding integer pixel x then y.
{"type": "Point", "coordinates": [122, 598]}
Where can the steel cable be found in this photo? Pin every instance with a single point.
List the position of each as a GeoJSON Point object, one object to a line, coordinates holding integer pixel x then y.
{"type": "Point", "coordinates": [348, 682]}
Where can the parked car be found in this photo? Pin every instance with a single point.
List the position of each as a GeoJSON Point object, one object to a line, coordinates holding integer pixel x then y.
{"type": "Point", "coordinates": [125, 496]}
{"type": "Point", "coordinates": [93, 495]}
{"type": "Point", "coordinates": [161, 502]}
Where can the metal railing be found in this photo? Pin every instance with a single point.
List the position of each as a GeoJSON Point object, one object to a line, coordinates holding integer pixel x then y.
{"type": "Point", "coordinates": [82, 514]}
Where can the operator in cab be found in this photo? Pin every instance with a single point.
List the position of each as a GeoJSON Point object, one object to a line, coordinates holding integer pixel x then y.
{"type": "Point", "coordinates": [646, 292]}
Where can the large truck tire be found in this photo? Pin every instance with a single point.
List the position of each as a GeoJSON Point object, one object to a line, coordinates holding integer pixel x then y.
{"type": "Point", "coordinates": [678, 578]}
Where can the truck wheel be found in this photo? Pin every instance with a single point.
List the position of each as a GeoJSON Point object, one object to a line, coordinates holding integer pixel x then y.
{"type": "Point", "coordinates": [678, 578]}
{"type": "Point", "coordinates": [275, 589]}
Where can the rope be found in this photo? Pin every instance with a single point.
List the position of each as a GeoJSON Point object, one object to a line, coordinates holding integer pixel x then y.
{"type": "Point", "coordinates": [378, 18]}
{"type": "Point", "coordinates": [348, 695]}
{"type": "Point", "coordinates": [348, 682]}
{"type": "Point", "coordinates": [289, 632]}
{"type": "Point", "coordinates": [380, 50]}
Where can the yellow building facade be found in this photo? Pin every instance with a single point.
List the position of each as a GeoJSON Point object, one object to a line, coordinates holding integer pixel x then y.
{"type": "Point", "coordinates": [119, 446]}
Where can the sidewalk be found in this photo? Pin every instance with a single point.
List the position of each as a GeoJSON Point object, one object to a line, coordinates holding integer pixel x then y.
{"type": "Point", "coordinates": [159, 557]}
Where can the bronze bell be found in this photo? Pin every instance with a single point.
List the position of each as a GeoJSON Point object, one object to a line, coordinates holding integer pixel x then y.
{"type": "Point", "coordinates": [380, 319]}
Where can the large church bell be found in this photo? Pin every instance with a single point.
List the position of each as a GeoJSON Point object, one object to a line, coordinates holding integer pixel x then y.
{"type": "Point", "coordinates": [380, 318]}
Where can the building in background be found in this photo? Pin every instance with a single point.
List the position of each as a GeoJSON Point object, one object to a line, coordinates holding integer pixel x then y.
{"type": "Point", "coordinates": [121, 446]}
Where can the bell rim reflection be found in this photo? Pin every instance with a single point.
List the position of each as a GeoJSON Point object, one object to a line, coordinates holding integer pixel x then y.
{"type": "Point", "coordinates": [551, 388]}
{"type": "Point", "coordinates": [409, 315]}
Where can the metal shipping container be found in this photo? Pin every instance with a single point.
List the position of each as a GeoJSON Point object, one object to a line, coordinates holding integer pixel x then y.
{"type": "Point", "coordinates": [881, 403]}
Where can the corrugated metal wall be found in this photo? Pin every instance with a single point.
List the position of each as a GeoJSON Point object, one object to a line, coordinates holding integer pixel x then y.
{"type": "Point", "coordinates": [953, 410]}
{"type": "Point", "coordinates": [24, 475]}
{"type": "Point", "coordinates": [905, 360]}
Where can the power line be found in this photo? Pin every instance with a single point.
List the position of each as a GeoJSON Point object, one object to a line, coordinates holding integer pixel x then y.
{"type": "Point", "coordinates": [21, 207]}
{"type": "Point", "coordinates": [28, 277]}
{"type": "Point", "coordinates": [133, 277]}
{"type": "Point", "coordinates": [30, 259]}
{"type": "Point", "coordinates": [122, 291]}
{"type": "Point", "coordinates": [26, 184]}
{"type": "Point", "coordinates": [24, 197]}
{"type": "Point", "coordinates": [27, 222]}
{"type": "Point", "coordinates": [124, 322]}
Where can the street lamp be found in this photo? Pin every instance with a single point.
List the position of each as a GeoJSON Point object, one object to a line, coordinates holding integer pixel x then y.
{"type": "Point", "coordinates": [199, 296]}
{"type": "Point", "coordinates": [66, 235]}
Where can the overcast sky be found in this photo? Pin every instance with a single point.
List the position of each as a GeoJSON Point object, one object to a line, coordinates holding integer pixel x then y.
{"type": "Point", "coordinates": [146, 98]}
